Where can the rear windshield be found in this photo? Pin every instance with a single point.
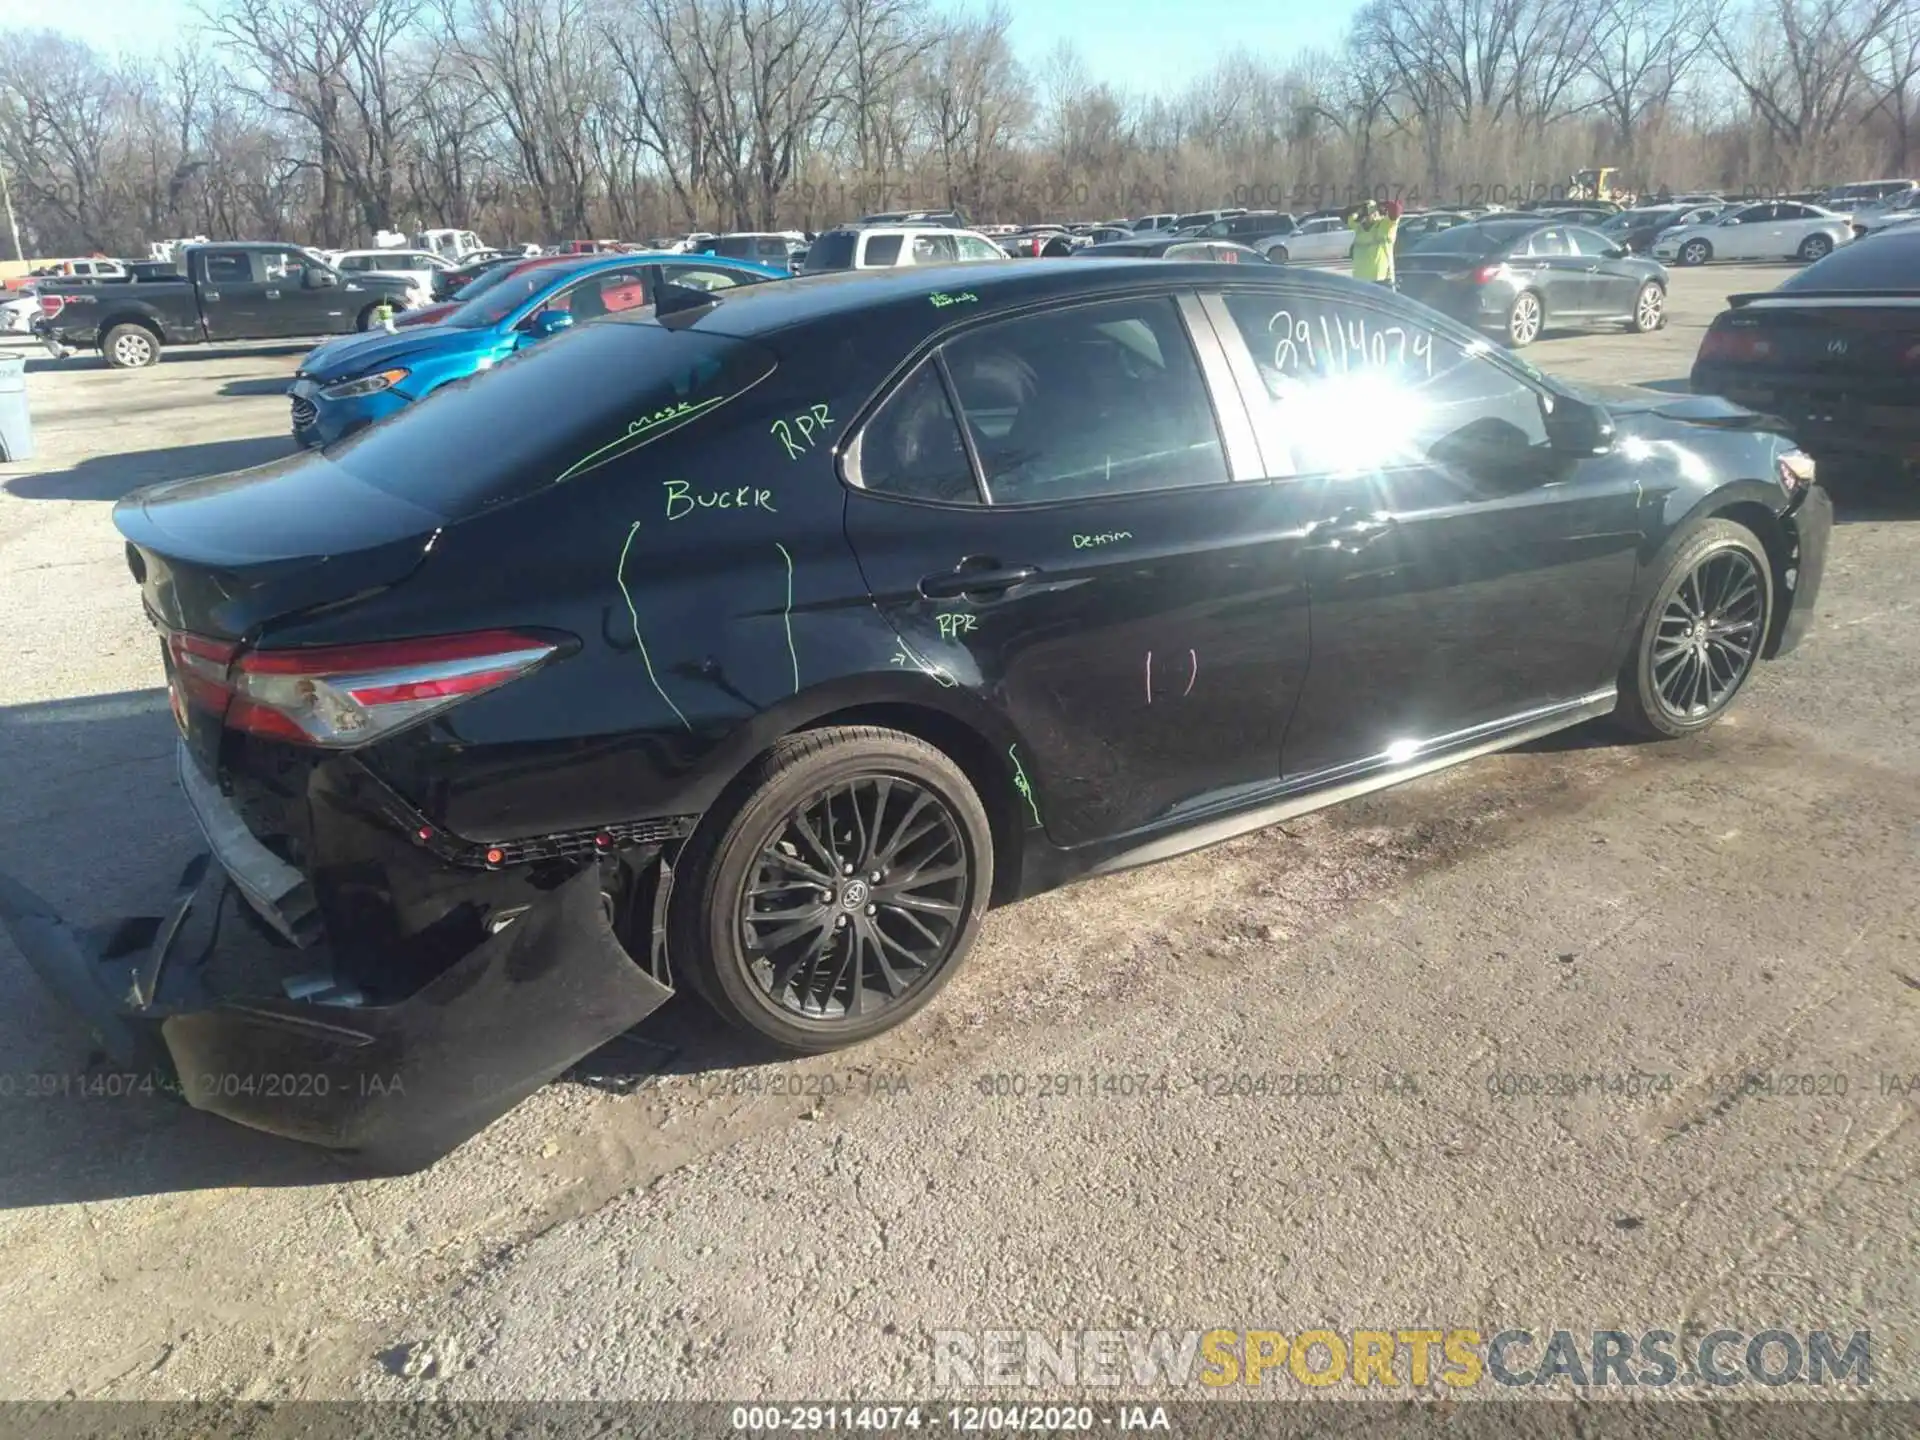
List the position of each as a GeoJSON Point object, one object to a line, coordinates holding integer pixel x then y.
{"type": "Point", "coordinates": [1888, 261]}
{"type": "Point", "coordinates": [832, 251]}
{"type": "Point", "coordinates": [558, 411]}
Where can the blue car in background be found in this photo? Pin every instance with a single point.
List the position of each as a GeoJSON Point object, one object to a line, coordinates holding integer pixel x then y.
{"type": "Point", "coordinates": [350, 383]}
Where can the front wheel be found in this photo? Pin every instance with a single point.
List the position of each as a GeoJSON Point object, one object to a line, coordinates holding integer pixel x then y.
{"type": "Point", "coordinates": [1695, 252]}
{"type": "Point", "coordinates": [1277, 254]}
{"type": "Point", "coordinates": [1649, 307]}
{"type": "Point", "coordinates": [1816, 247]}
{"type": "Point", "coordinates": [1701, 635]}
{"type": "Point", "coordinates": [836, 891]}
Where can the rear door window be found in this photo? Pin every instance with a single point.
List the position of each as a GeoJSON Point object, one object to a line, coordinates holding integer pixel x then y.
{"type": "Point", "coordinates": [882, 251]}
{"type": "Point", "coordinates": [832, 251]}
{"type": "Point", "coordinates": [710, 277]}
{"type": "Point", "coordinates": [1102, 399]}
{"type": "Point", "coordinates": [227, 267]}
{"type": "Point", "coordinates": [934, 250]}
{"type": "Point", "coordinates": [912, 446]}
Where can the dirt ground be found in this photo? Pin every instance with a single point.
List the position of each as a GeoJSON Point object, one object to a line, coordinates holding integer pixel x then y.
{"type": "Point", "coordinates": [694, 1227]}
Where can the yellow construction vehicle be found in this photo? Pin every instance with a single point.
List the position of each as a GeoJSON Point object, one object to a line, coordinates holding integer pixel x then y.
{"type": "Point", "coordinates": [1597, 184]}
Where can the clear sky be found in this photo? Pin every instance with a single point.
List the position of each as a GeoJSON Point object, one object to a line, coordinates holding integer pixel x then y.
{"type": "Point", "coordinates": [1136, 44]}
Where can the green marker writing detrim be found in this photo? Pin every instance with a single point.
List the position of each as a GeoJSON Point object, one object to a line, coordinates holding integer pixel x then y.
{"type": "Point", "coordinates": [1023, 785]}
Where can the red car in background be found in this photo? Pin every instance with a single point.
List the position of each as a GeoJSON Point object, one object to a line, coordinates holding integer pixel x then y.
{"type": "Point", "coordinates": [480, 284]}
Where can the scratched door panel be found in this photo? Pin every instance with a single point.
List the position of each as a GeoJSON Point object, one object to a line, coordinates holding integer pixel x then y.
{"type": "Point", "coordinates": [1148, 668]}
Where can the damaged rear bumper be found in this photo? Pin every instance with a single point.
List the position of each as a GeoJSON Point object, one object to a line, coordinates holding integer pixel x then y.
{"type": "Point", "coordinates": [398, 1085]}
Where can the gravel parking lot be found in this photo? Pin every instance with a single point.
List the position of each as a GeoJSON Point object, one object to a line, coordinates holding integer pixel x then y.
{"type": "Point", "coordinates": [679, 1223]}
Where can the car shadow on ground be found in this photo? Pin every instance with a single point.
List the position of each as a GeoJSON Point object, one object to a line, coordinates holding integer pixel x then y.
{"type": "Point", "coordinates": [271, 386]}
{"type": "Point", "coordinates": [91, 821]}
{"type": "Point", "coordinates": [1867, 490]}
{"type": "Point", "coordinates": [109, 477]}
{"type": "Point", "coordinates": [43, 363]}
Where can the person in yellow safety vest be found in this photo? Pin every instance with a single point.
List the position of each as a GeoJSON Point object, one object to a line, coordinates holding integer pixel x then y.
{"type": "Point", "coordinates": [1374, 230]}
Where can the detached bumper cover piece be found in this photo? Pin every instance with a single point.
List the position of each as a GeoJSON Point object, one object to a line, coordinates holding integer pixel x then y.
{"type": "Point", "coordinates": [399, 1085]}
{"type": "Point", "coordinates": [1810, 523]}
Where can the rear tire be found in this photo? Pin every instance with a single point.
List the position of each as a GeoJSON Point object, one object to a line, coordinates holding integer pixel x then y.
{"type": "Point", "coordinates": [130, 347]}
{"type": "Point", "coordinates": [1816, 247]}
{"type": "Point", "coordinates": [1649, 309]}
{"type": "Point", "coordinates": [1526, 317]}
{"type": "Point", "coordinates": [1701, 636]}
{"type": "Point", "coordinates": [1277, 254]}
{"type": "Point", "coordinates": [787, 932]}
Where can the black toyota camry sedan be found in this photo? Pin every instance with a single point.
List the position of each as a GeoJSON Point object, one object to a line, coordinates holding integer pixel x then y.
{"type": "Point", "coordinates": [759, 646]}
{"type": "Point", "coordinates": [1518, 276]}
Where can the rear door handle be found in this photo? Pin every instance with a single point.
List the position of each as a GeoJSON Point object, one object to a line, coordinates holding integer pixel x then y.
{"type": "Point", "coordinates": [273, 294]}
{"type": "Point", "coordinates": [1349, 531]}
{"type": "Point", "coordinates": [987, 580]}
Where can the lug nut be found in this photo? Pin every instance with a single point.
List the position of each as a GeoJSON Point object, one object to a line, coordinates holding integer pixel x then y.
{"type": "Point", "coordinates": [875, 877]}
{"type": "Point", "coordinates": [871, 909]}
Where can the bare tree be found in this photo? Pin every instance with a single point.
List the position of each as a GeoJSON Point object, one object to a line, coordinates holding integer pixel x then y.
{"type": "Point", "coordinates": [1641, 51]}
{"type": "Point", "coordinates": [537, 59]}
{"type": "Point", "coordinates": [1893, 75]}
{"type": "Point", "coordinates": [971, 102]}
{"type": "Point", "coordinates": [884, 40]}
{"type": "Point", "coordinates": [1801, 65]}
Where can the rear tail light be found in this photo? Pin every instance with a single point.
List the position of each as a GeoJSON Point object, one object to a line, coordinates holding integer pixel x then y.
{"type": "Point", "coordinates": [1796, 471]}
{"type": "Point", "coordinates": [1484, 275]}
{"type": "Point", "coordinates": [1736, 347]}
{"type": "Point", "coordinates": [52, 305]}
{"type": "Point", "coordinates": [346, 695]}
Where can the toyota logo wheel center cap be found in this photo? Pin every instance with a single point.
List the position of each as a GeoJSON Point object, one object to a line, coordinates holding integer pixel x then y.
{"type": "Point", "coordinates": [854, 895]}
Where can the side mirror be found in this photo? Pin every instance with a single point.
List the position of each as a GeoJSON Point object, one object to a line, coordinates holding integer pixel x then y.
{"type": "Point", "coordinates": [1731, 220]}
{"type": "Point", "coordinates": [548, 322]}
{"type": "Point", "coordinates": [1576, 427]}
{"type": "Point", "coordinates": [314, 277]}
{"type": "Point", "coordinates": [1618, 252]}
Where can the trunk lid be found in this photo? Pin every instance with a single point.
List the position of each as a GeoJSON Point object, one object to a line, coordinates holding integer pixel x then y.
{"type": "Point", "coordinates": [1868, 345]}
{"type": "Point", "coordinates": [224, 555]}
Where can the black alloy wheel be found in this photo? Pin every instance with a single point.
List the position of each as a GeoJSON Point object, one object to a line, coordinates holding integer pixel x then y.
{"type": "Point", "coordinates": [1709, 635]}
{"type": "Point", "coordinates": [1704, 632]}
{"type": "Point", "coordinates": [835, 890]}
{"type": "Point", "coordinates": [856, 898]}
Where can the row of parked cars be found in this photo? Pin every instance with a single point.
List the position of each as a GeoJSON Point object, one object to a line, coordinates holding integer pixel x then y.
{"type": "Point", "coordinates": [754, 636]}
